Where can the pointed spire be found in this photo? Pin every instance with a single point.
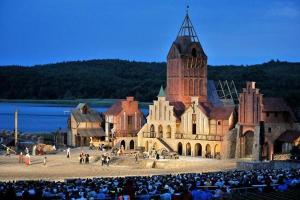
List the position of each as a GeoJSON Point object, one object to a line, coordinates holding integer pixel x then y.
{"type": "Point", "coordinates": [161, 92]}
{"type": "Point", "coordinates": [187, 28]}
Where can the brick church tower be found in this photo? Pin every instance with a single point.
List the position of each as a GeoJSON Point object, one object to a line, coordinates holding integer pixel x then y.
{"type": "Point", "coordinates": [186, 66]}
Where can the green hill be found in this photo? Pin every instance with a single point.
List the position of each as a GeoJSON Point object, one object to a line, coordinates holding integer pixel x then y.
{"type": "Point", "coordinates": [119, 78]}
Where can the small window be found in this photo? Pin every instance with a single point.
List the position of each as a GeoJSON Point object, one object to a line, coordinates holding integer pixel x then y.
{"type": "Point", "coordinates": [268, 114]}
{"type": "Point", "coordinates": [194, 118]}
{"type": "Point", "coordinates": [219, 122]}
{"type": "Point", "coordinates": [269, 129]}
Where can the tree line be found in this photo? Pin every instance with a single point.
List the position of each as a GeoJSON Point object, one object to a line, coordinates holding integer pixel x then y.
{"type": "Point", "coordinates": [120, 78]}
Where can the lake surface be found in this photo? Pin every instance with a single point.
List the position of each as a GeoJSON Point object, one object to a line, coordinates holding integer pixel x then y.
{"type": "Point", "coordinates": [37, 117]}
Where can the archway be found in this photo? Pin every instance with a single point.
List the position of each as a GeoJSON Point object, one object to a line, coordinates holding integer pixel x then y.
{"type": "Point", "coordinates": [131, 144]}
{"type": "Point", "coordinates": [152, 131]}
{"type": "Point", "coordinates": [208, 151]}
{"type": "Point", "coordinates": [160, 131]}
{"type": "Point", "coordinates": [188, 151]}
{"type": "Point", "coordinates": [248, 137]}
{"type": "Point", "coordinates": [168, 131]}
{"type": "Point", "coordinates": [198, 149]}
{"type": "Point", "coordinates": [179, 148]}
{"type": "Point", "coordinates": [122, 144]}
{"type": "Point", "coordinates": [217, 151]}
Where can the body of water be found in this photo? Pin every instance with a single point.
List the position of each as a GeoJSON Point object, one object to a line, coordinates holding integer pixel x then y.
{"type": "Point", "coordinates": [37, 117]}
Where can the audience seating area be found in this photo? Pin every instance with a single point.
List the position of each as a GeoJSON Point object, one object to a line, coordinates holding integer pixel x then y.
{"type": "Point", "coordinates": [255, 184]}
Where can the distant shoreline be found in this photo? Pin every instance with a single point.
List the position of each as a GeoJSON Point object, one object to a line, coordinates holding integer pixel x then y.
{"type": "Point", "coordinates": [62, 102]}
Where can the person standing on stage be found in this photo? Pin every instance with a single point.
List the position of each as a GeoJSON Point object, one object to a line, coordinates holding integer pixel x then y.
{"type": "Point", "coordinates": [68, 152]}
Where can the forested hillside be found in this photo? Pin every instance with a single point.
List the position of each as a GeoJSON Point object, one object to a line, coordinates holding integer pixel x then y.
{"type": "Point", "coordinates": [119, 78]}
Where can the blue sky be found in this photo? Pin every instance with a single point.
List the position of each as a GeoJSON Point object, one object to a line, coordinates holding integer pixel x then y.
{"type": "Point", "coordinates": [230, 31]}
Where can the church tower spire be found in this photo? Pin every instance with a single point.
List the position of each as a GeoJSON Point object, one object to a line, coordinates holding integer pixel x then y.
{"type": "Point", "coordinates": [186, 66]}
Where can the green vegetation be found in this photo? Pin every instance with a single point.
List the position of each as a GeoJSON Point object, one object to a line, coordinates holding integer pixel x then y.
{"type": "Point", "coordinates": [115, 79]}
{"type": "Point", "coordinates": [73, 102]}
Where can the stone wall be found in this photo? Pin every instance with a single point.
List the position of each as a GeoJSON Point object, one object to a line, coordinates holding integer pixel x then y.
{"type": "Point", "coordinates": [244, 165]}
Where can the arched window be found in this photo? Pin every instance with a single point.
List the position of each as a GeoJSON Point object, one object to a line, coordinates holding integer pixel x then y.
{"type": "Point", "coordinates": [191, 87]}
{"type": "Point", "coordinates": [201, 87]}
{"type": "Point", "coordinates": [168, 131]}
{"type": "Point", "coordinates": [186, 88]}
{"type": "Point", "coordinates": [160, 131]}
{"type": "Point", "coordinates": [131, 144]}
{"type": "Point", "coordinates": [179, 148]}
{"type": "Point", "coordinates": [196, 89]}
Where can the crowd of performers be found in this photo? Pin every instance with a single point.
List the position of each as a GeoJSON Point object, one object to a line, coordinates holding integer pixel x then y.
{"type": "Point", "coordinates": [25, 158]}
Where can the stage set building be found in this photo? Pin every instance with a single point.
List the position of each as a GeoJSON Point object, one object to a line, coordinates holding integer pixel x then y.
{"type": "Point", "coordinates": [84, 125]}
{"type": "Point", "coordinates": [123, 120]}
{"type": "Point", "coordinates": [190, 117]}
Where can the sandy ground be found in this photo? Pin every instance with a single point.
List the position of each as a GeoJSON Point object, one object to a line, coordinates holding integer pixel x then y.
{"type": "Point", "coordinates": [59, 167]}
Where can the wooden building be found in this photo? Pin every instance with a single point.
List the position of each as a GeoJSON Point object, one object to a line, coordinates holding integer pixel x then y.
{"type": "Point", "coordinates": [84, 126]}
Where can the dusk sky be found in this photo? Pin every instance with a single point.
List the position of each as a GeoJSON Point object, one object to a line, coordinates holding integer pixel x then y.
{"type": "Point", "coordinates": [230, 31]}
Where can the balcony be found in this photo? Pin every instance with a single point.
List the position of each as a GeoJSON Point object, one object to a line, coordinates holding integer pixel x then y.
{"type": "Point", "coordinates": [122, 133]}
{"type": "Point", "coordinates": [199, 137]}
{"type": "Point", "coordinates": [186, 136]}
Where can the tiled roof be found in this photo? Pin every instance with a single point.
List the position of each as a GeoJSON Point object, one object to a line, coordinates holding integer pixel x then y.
{"type": "Point", "coordinates": [115, 109]}
{"type": "Point", "coordinates": [91, 132]}
{"type": "Point", "coordinates": [178, 108]}
{"type": "Point", "coordinates": [275, 104]}
{"type": "Point", "coordinates": [212, 94]}
{"type": "Point", "coordinates": [205, 107]}
{"type": "Point", "coordinates": [90, 116]}
{"type": "Point", "coordinates": [221, 112]}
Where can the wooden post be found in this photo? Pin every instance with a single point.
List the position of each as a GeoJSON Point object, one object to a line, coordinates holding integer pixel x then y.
{"type": "Point", "coordinates": [16, 129]}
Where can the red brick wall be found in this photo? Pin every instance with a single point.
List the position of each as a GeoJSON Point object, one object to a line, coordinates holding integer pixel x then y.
{"type": "Point", "coordinates": [186, 77]}
{"type": "Point", "coordinates": [250, 105]}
